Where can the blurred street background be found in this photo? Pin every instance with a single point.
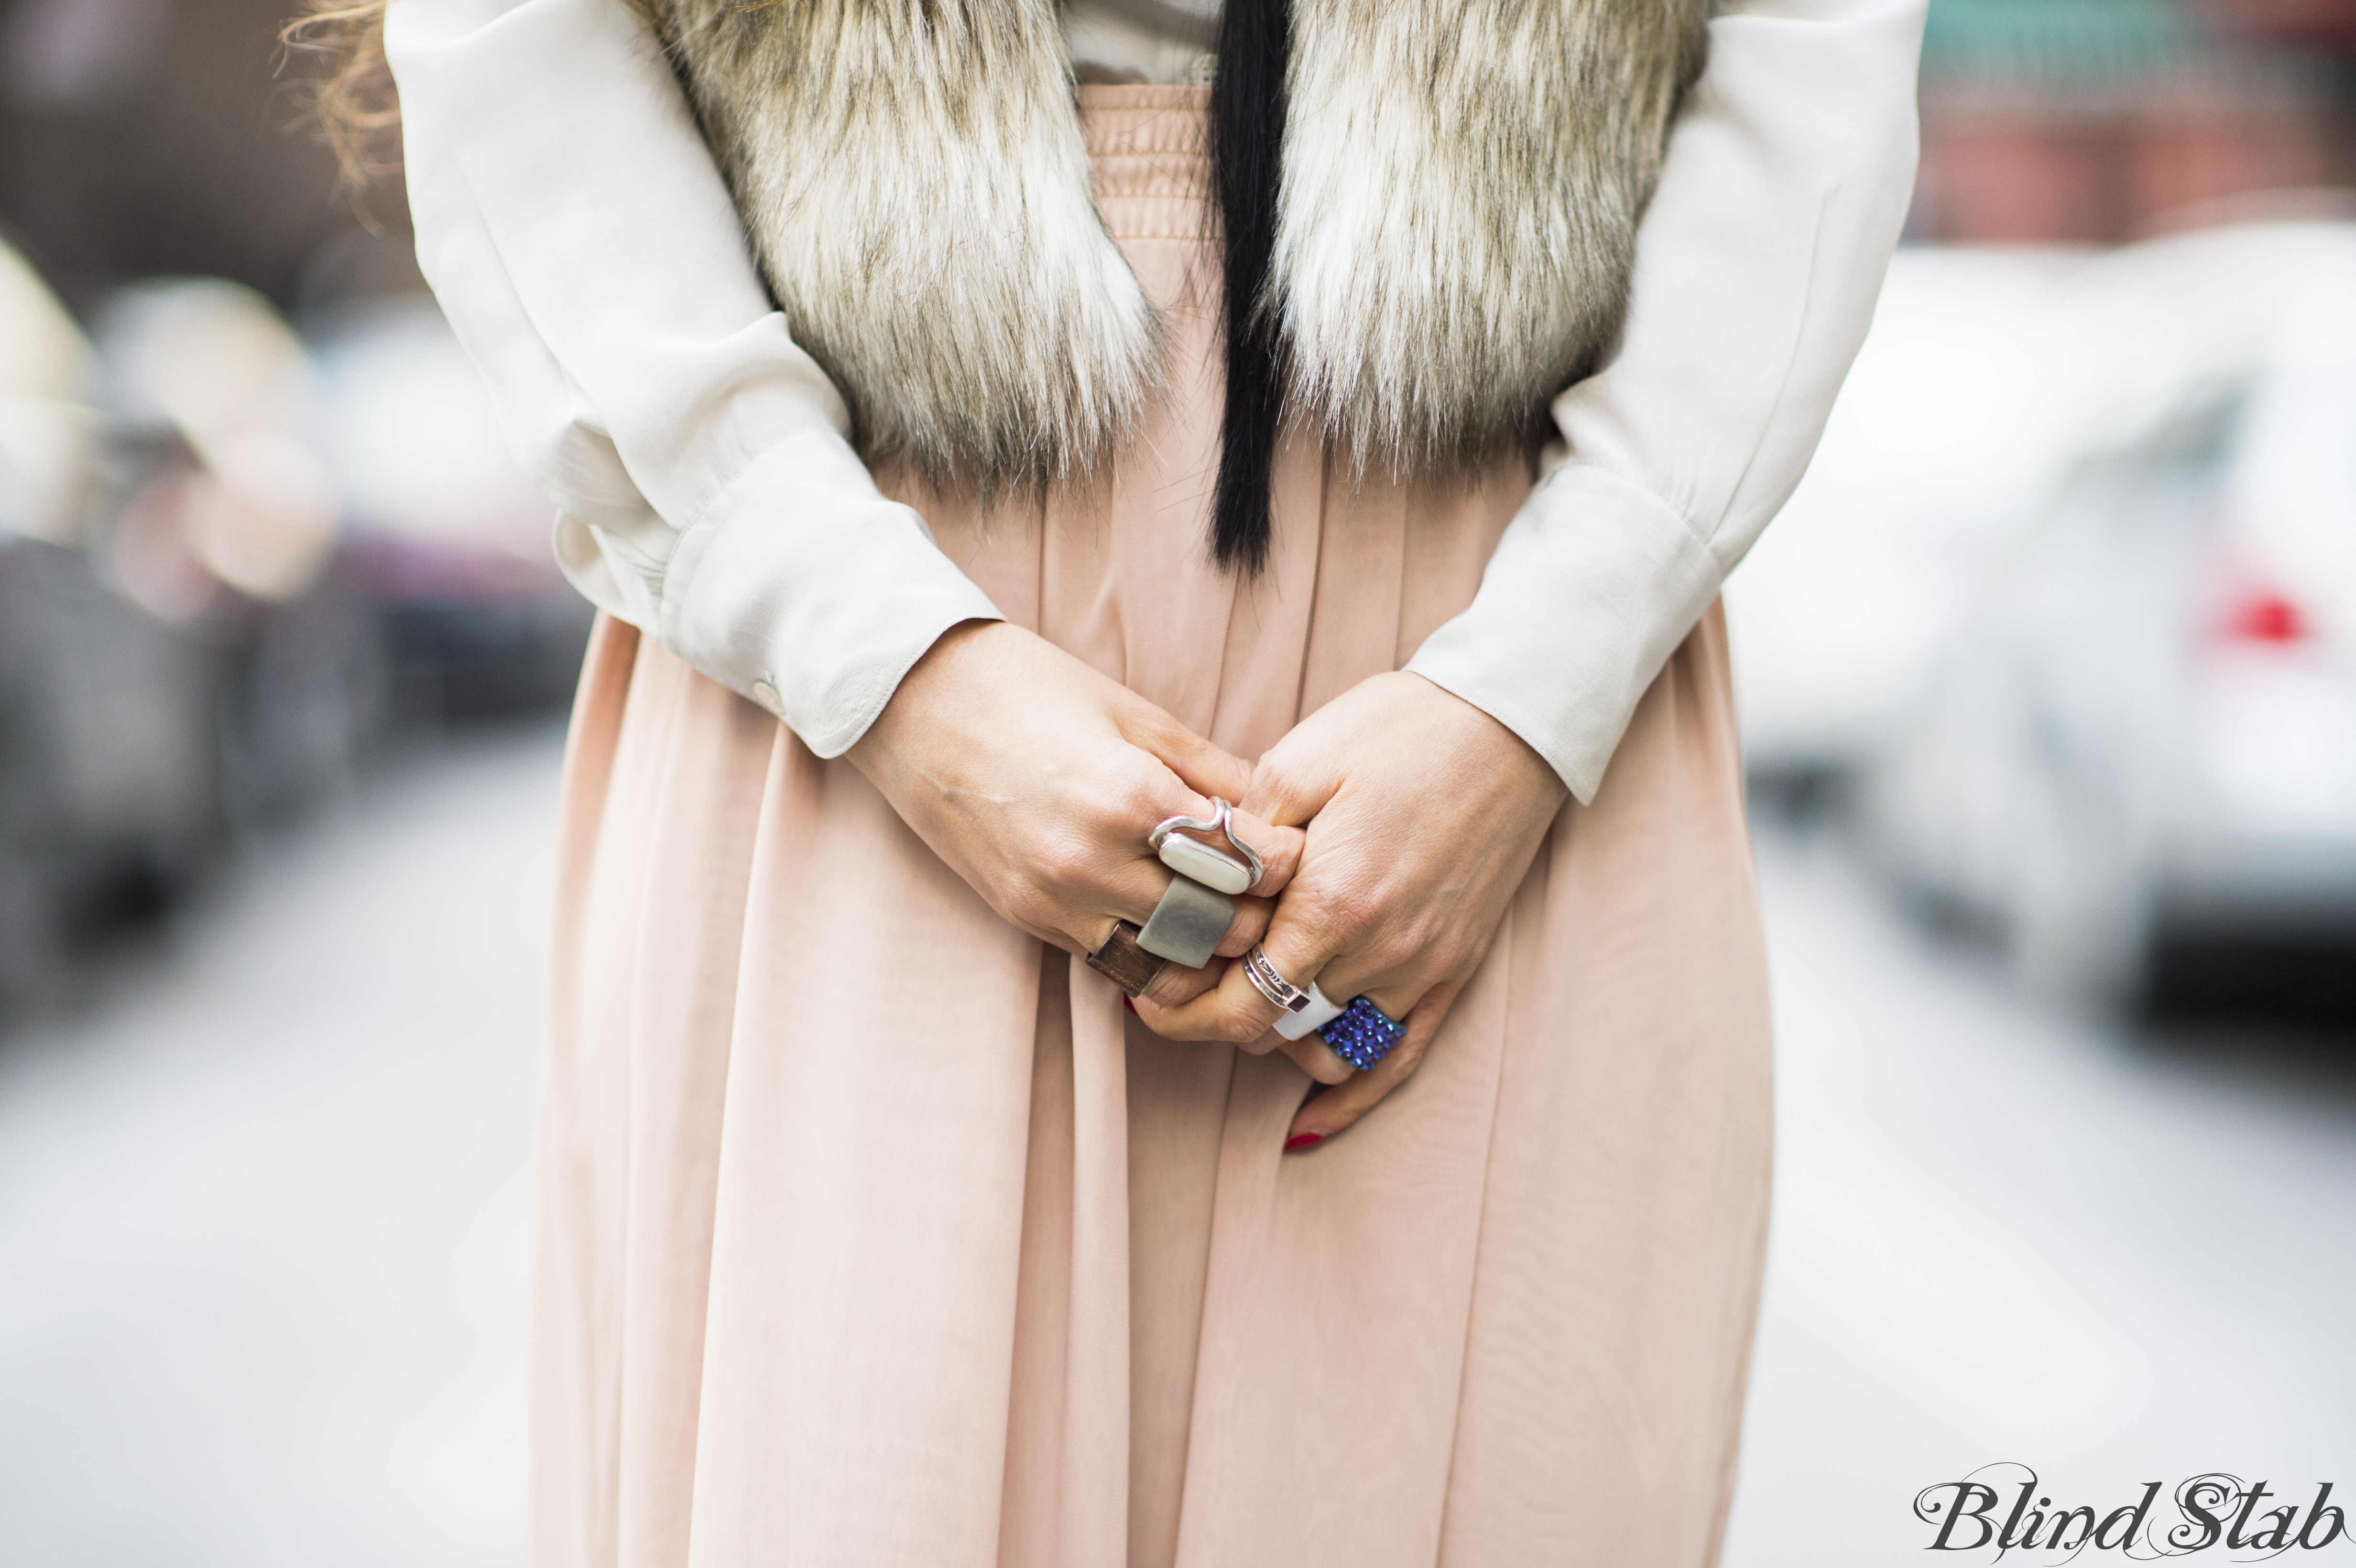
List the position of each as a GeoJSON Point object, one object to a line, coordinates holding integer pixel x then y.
{"type": "Point", "coordinates": [2049, 681]}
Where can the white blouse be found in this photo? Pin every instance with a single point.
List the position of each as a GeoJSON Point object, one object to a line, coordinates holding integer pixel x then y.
{"type": "Point", "coordinates": [572, 222]}
{"type": "Point", "coordinates": [1160, 41]}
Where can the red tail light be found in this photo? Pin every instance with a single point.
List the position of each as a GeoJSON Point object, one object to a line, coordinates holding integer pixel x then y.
{"type": "Point", "coordinates": [2263, 615]}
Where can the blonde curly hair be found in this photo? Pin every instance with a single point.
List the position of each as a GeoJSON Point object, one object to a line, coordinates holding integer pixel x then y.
{"type": "Point", "coordinates": [352, 98]}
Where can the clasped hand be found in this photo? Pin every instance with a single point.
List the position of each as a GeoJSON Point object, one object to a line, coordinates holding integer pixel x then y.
{"type": "Point", "coordinates": [1395, 822]}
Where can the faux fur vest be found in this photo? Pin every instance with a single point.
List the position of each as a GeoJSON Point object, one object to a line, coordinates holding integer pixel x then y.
{"type": "Point", "coordinates": [1455, 200]}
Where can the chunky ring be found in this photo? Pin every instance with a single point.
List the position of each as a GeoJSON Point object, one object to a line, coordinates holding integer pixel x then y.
{"type": "Point", "coordinates": [1211, 868]}
{"type": "Point", "coordinates": [1188, 922]}
{"type": "Point", "coordinates": [1123, 962]}
{"type": "Point", "coordinates": [1364, 1034]}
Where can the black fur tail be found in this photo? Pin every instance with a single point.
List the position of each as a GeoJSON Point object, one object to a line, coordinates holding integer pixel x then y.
{"type": "Point", "coordinates": [1246, 147]}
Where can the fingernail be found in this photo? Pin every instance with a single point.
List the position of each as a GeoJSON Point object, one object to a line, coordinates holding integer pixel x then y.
{"type": "Point", "coordinates": [1303, 1140]}
{"type": "Point", "coordinates": [1130, 1003]}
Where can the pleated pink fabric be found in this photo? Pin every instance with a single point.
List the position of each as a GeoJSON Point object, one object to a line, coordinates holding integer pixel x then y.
{"type": "Point", "coordinates": [874, 1235]}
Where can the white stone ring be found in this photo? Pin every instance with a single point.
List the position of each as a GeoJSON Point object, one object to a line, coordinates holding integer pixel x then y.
{"type": "Point", "coordinates": [1214, 869]}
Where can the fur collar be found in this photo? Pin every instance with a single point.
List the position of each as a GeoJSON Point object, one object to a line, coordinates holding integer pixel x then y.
{"type": "Point", "coordinates": [1460, 188]}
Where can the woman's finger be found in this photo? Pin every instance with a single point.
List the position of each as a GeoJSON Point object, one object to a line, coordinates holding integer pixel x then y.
{"type": "Point", "coordinates": [1249, 925]}
{"type": "Point", "coordinates": [1208, 768]}
{"type": "Point", "coordinates": [1128, 876]}
{"type": "Point", "coordinates": [1176, 986]}
{"type": "Point", "coordinates": [1128, 886]}
{"type": "Point", "coordinates": [1334, 1110]}
{"type": "Point", "coordinates": [1285, 790]}
{"type": "Point", "coordinates": [1315, 1057]}
{"type": "Point", "coordinates": [1298, 943]}
{"type": "Point", "coordinates": [1278, 849]}
{"type": "Point", "coordinates": [1133, 890]}
{"type": "Point", "coordinates": [1231, 1010]}
{"type": "Point", "coordinates": [1136, 892]}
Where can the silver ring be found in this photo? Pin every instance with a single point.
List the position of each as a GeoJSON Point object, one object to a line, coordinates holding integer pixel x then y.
{"type": "Point", "coordinates": [1221, 821]}
{"type": "Point", "coordinates": [1168, 825]}
{"type": "Point", "coordinates": [1251, 856]}
{"type": "Point", "coordinates": [1265, 980]}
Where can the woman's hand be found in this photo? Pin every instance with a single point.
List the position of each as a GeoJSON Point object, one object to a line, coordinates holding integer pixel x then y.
{"type": "Point", "coordinates": [1423, 815]}
{"type": "Point", "coordinates": [1038, 779]}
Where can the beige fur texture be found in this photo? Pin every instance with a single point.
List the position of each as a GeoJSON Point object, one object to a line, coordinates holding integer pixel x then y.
{"type": "Point", "coordinates": [1462, 185]}
{"type": "Point", "coordinates": [913, 179]}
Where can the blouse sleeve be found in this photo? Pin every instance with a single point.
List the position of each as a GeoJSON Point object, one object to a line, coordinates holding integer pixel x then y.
{"type": "Point", "coordinates": [1758, 263]}
{"type": "Point", "coordinates": [591, 262]}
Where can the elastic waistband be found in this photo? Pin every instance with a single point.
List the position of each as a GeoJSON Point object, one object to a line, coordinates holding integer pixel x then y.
{"type": "Point", "coordinates": [1146, 142]}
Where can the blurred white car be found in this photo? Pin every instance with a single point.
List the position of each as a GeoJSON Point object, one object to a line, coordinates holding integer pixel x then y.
{"type": "Point", "coordinates": [2146, 734]}
{"type": "Point", "coordinates": [1946, 433]}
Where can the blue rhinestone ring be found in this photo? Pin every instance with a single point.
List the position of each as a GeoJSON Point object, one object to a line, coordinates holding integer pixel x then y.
{"type": "Point", "coordinates": [1364, 1034]}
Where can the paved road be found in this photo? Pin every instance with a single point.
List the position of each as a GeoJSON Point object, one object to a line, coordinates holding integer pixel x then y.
{"type": "Point", "coordinates": [2006, 1237]}
{"type": "Point", "coordinates": [262, 1220]}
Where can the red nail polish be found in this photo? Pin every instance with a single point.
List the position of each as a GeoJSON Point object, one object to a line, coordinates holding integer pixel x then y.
{"type": "Point", "coordinates": [1303, 1140]}
{"type": "Point", "coordinates": [1129, 1002]}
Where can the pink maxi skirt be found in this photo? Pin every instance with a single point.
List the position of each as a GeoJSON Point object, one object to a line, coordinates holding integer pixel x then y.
{"type": "Point", "coordinates": [871, 1234]}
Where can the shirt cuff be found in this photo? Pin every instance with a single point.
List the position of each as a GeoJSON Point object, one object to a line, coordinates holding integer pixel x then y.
{"type": "Point", "coordinates": [806, 590]}
{"type": "Point", "coordinates": [1594, 584]}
